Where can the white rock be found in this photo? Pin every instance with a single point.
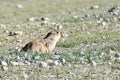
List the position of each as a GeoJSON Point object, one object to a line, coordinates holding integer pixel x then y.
{"type": "Point", "coordinates": [74, 17]}
{"type": "Point", "coordinates": [25, 75]}
{"type": "Point", "coordinates": [43, 64]}
{"type": "Point", "coordinates": [104, 24]}
{"type": "Point", "coordinates": [93, 63]}
{"type": "Point", "coordinates": [15, 63]}
{"type": "Point", "coordinates": [18, 32]}
{"type": "Point", "coordinates": [18, 58]}
{"type": "Point", "coordinates": [3, 63]}
{"type": "Point", "coordinates": [64, 35]}
{"type": "Point", "coordinates": [31, 19]}
{"type": "Point", "coordinates": [45, 19]}
{"type": "Point", "coordinates": [62, 60]}
{"type": "Point", "coordinates": [117, 55]}
{"type": "Point", "coordinates": [2, 26]}
{"type": "Point", "coordinates": [26, 62]}
{"type": "Point", "coordinates": [94, 7]}
{"type": "Point", "coordinates": [19, 6]}
{"type": "Point", "coordinates": [54, 63]}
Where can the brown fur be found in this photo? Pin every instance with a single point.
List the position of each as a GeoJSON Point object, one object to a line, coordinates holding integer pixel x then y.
{"type": "Point", "coordinates": [46, 44]}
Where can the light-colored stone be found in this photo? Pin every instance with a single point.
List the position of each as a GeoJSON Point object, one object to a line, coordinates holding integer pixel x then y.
{"type": "Point", "coordinates": [117, 55]}
{"type": "Point", "coordinates": [18, 32]}
{"type": "Point", "coordinates": [94, 7]}
{"type": "Point", "coordinates": [3, 63]}
{"type": "Point", "coordinates": [54, 63]}
{"type": "Point", "coordinates": [94, 63]}
{"type": "Point", "coordinates": [17, 63]}
{"type": "Point", "coordinates": [2, 26]}
{"type": "Point", "coordinates": [75, 17]}
{"type": "Point", "coordinates": [5, 68]}
{"type": "Point", "coordinates": [31, 19]}
{"type": "Point", "coordinates": [45, 19]}
{"type": "Point", "coordinates": [64, 35]}
{"type": "Point", "coordinates": [62, 60]}
{"type": "Point", "coordinates": [42, 64]}
{"type": "Point", "coordinates": [19, 6]}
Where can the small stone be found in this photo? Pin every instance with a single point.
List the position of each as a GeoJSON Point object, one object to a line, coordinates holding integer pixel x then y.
{"type": "Point", "coordinates": [94, 7]}
{"type": "Point", "coordinates": [117, 55]}
{"type": "Point", "coordinates": [5, 68]}
{"type": "Point", "coordinates": [54, 63]}
{"type": "Point", "coordinates": [31, 19]}
{"type": "Point", "coordinates": [55, 57]}
{"type": "Point", "coordinates": [25, 75]}
{"type": "Point", "coordinates": [19, 6]}
{"type": "Point", "coordinates": [17, 63]}
{"type": "Point", "coordinates": [3, 63]}
{"type": "Point", "coordinates": [75, 17]}
{"type": "Point", "coordinates": [18, 58]}
{"type": "Point", "coordinates": [43, 64]}
{"type": "Point", "coordinates": [62, 60]}
{"type": "Point", "coordinates": [2, 26]}
{"type": "Point", "coordinates": [12, 34]}
{"type": "Point", "coordinates": [28, 63]}
{"type": "Point", "coordinates": [64, 35]}
{"type": "Point", "coordinates": [45, 19]}
{"type": "Point", "coordinates": [18, 32]}
{"type": "Point", "coordinates": [19, 40]}
{"type": "Point", "coordinates": [93, 63]}
{"type": "Point", "coordinates": [103, 23]}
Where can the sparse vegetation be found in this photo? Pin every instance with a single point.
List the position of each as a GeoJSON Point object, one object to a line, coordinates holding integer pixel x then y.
{"type": "Point", "coordinates": [89, 51]}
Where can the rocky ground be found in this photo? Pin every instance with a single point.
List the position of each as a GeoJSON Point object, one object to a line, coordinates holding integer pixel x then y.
{"type": "Point", "coordinates": [90, 49]}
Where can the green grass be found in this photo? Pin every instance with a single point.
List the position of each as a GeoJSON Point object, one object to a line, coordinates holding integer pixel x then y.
{"type": "Point", "coordinates": [86, 40]}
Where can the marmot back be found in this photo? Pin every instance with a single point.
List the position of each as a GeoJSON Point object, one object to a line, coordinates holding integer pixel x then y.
{"type": "Point", "coordinates": [47, 44]}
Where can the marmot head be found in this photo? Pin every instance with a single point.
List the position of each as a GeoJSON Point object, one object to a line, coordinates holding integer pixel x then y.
{"type": "Point", "coordinates": [55, 35]}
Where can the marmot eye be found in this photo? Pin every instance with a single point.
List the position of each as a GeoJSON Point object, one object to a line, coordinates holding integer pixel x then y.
{"type": "Point", "coordinates": [57, 32]}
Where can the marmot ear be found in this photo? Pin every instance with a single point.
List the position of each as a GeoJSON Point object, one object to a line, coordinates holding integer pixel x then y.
{"type": "Point", "coordinates": [47, 35]}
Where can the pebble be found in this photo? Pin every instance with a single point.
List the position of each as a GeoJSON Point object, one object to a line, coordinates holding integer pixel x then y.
{"type": "Point", "coordinates": [75, 17]}
{"type": "Point", "coordinates": [28, 63]}
{"type": "Point", "coordinates": [117, 55]}
{"type": "Point", "coordinates": [62, 60]}
{"type": "Point", "coordinates": [16, 63]}
{"type": "Point", "coordinates": [3, 63]}
{"type": "Point", "coordinates": [25, 75]}
{"type": "Point", "coordinates": [43, 64]}
{"type": "Point", "coordinates": [103, 23]}
{"type": "Point", "coordinates": [31, 19]}
{"type": "Point", "coordinates": [12, 34]}
{"type": "Point", "coordinates": [5, 68]}
{"type": "Point", "coordinates": [45, 19]}
{"type": "Point", "coordinates": [18, 32]}
{"type": "Point", "coordinates": [19, 6]}
{"type": "Point", "coordinates": [56, 57]}
{"type": "Point", "coordinates": [2, 26]}
{"type": "Point", "coordinates": [94, 7]}
{"type": "Point", "coordinates": [93, 63]}
{"type": "Point", "coordinates": [54, 63]}
{"type": "Point", "coordinates": [64, 35]}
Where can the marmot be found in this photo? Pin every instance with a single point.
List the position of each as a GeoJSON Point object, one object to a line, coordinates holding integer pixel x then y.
{"type": "Point", "coordinates": [47, 44]}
